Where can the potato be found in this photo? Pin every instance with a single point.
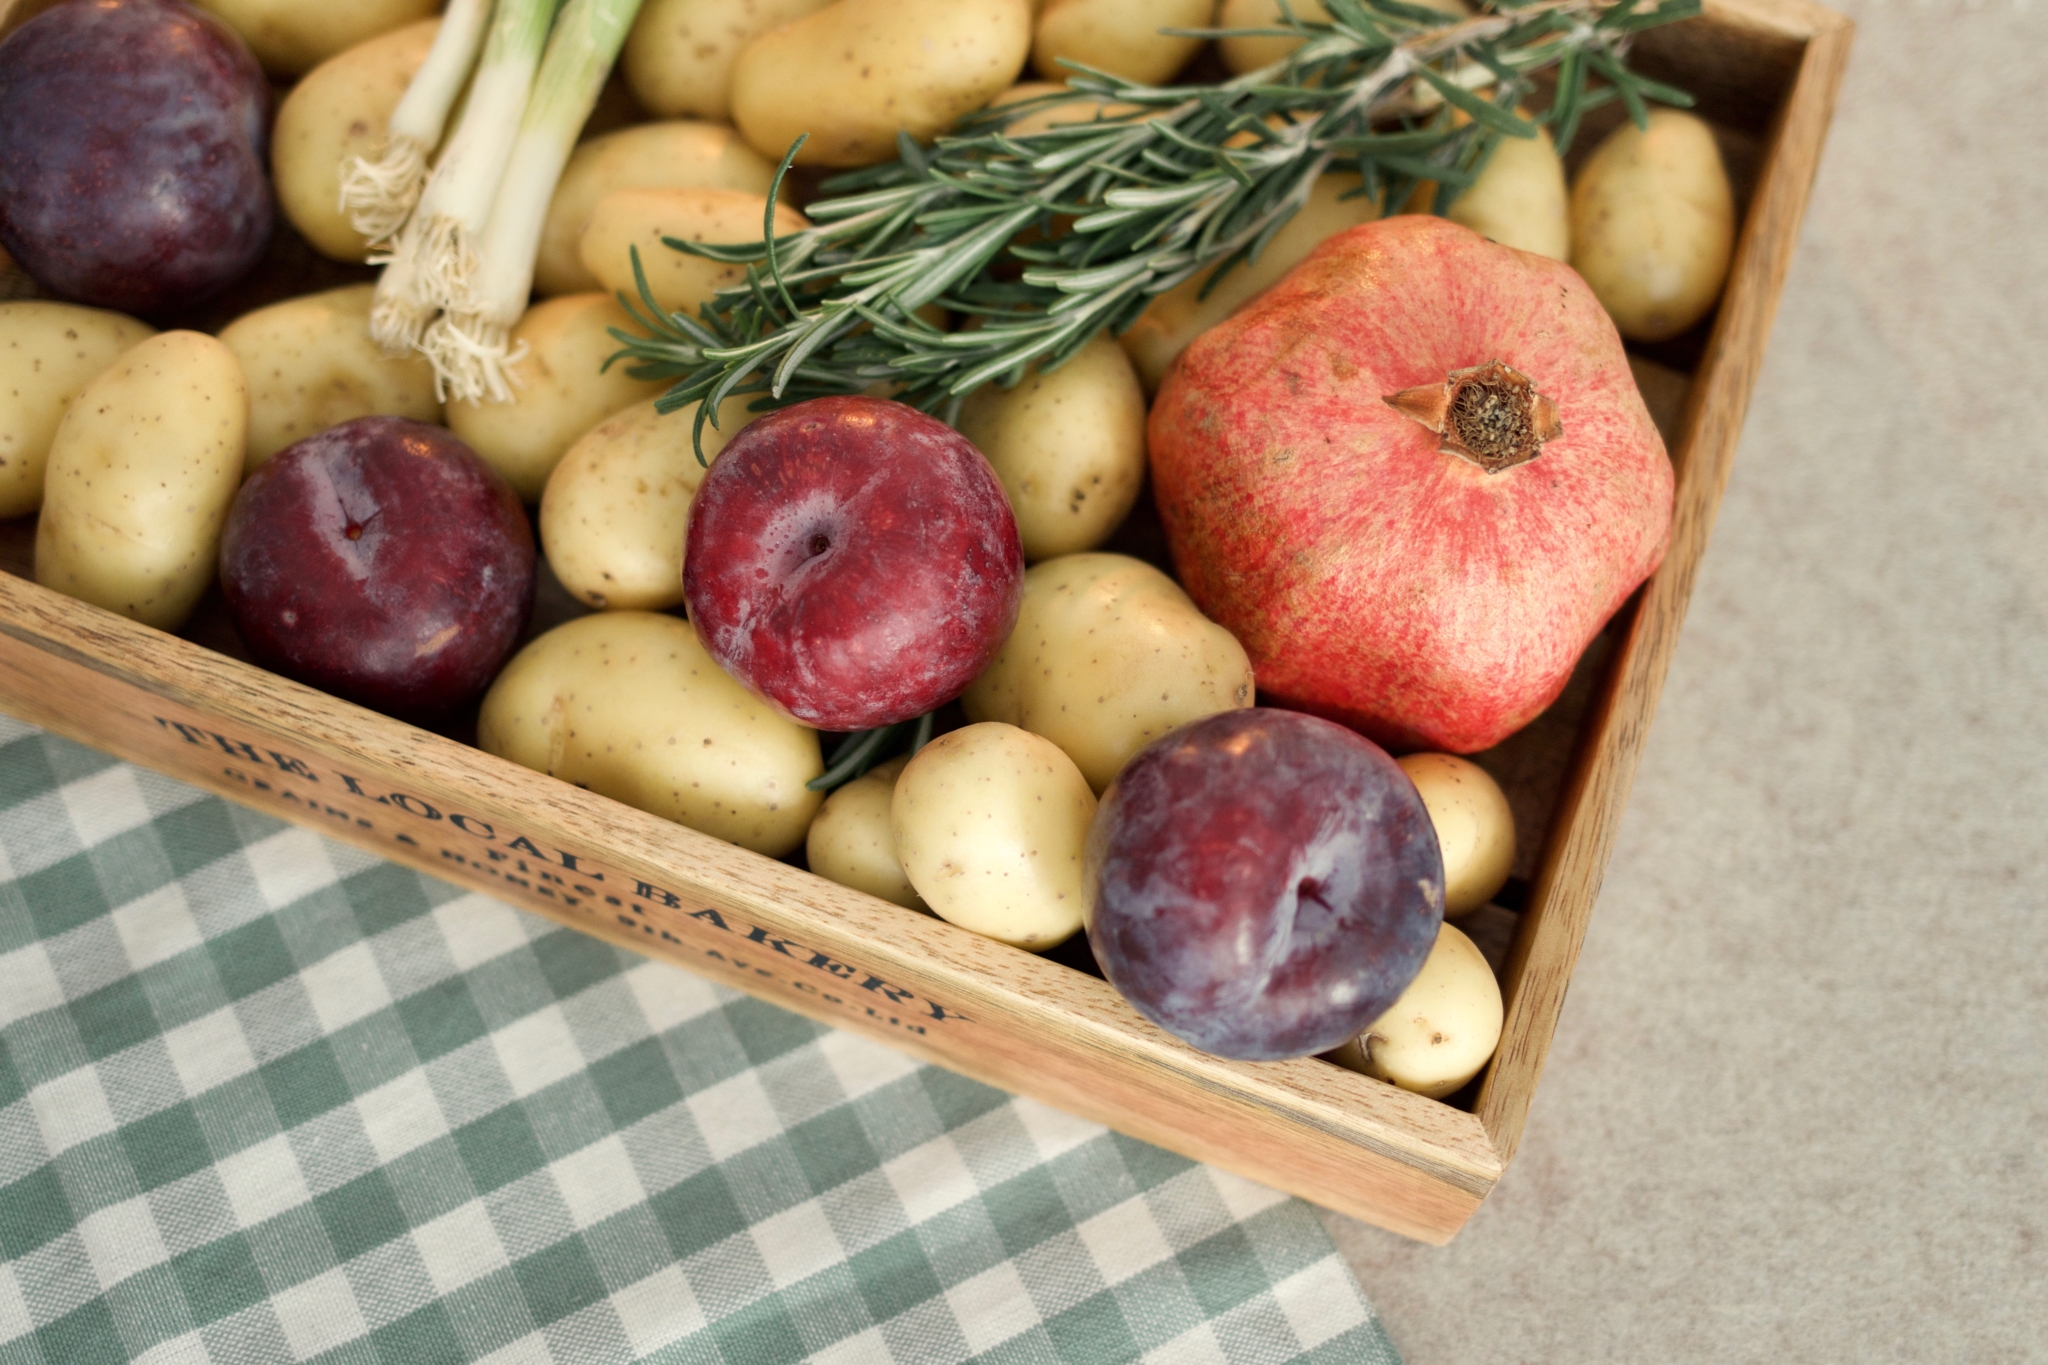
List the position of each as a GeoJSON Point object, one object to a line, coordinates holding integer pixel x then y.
{"type": "Point", "coordinates": [1653, 225]}
{"type": "Point", "coordinates": [1069, 447]}
{"type": "Point", "coordinates": [616, 509]}
{"type": "Point", "coordinates": [677, 155]}
{"type": "Point", "coordinates": [291, 37]}
{"type": "Point", "coordinates": [48, 352]}
{"type": "Point", "coordinates": [679, 56]}
{"type": "Point", "coordinates": [311, 365]}
{"type": "Point", "coordinates": [852, 842]}
{"type": "Point", "coordinates": [1121, 37]}
{"type": "Point", "coordinates": [340, 111]}
{"type": "Point", "coordinates": [625, 219]}
{"type": "Point", "coordinates": [627, 704]}
{"type": "Point", "coordinates": [1179, 315]}
{"type": "Point", "coordinates": [1519, 199]}
{"type": "Point", "coordinates": [559, 393]}
{"type": "Point", "coordinates": [1475, 829]}
{"type": "Point", "coordinates": [990, 822]}
{"type": "Point", "coordinates": [141, 473]}
{"type": "Point", "coordinates": [1249, 54]}
{"type": "Point", "coordinates": [1108, 655]}
{"type": "Point", "coordinates": [1444, 1028]}
{"type": "Point", "coordinates": [855, 73]}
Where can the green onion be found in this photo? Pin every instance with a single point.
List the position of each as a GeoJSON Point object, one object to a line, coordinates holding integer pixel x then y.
{"type": "Point", "coordinates": [379, 195]}
{"type": "Point", "coordinates": [434, 263]}
{"type": "Point", "coordinates": [468, 342]}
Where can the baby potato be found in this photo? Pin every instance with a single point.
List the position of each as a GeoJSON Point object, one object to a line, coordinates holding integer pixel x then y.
{"type": "Point", "coordinates": [1442, 1031]}
{"type": "Point", "coordinates": [680, 282]}
{"type": "Point", "coordinates": [852, 842]}
{"type": "Point", "coordinates": [680, 154]}
{"type": "Point", "coordinates": [1069, 447]}
{"type": "Point", "coordinates": [340, 111]}
{"type": "Point", "coordinates": [857, 72]}
{"type": "Point", "coordinates": [141, 473]}
{"type": "Point", "coordinates": [614, 518]}
{"type": "Point", "coordinates": [291, 37]}
{"type": "Point", "coordinates": [1475, 828]}
{"type": "Point", "coordinates": [558, 393]}
{"type": "Point", "coordinates": [1653, 224]}
{"type": "Point", "coordinates": [1519, 199]}
{"type": "Point", "coordinates": [311, 365]}
{"type": "Point", "coordinates": [1121, 37]}
{"type": "Point", "coordinates": [678, 58]}
{"type": "Point", "coordinates": [48, 352]}
{"type": "Point", "coordinates": [628, 704]}
{"type": "Point", "coordinates": [1180, 315]}
{"type": "Point", "coordinates": [990, 822]}
{"type": "Point", "coordinates": [1108, 655]}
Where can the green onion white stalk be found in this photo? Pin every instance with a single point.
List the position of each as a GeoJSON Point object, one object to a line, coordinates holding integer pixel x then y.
{"type": "Point", "coordinates": [434, 264]}
{"type": "Point", "coordinates": [379, 195]}
{"type": "Point", "coordinates": [468, 343]}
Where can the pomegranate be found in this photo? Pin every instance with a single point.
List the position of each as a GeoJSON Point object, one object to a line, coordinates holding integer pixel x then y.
{"type": "Point", "coordinates": [1414, 479]}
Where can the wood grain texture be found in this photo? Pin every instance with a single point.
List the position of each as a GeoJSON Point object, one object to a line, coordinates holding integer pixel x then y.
{"type": "Point", "coordinates": [1766, 69]}
{"type": "Point", "coordinates": [990, 1011]}
{"type": "Point", "coordinates": [1568, 882]}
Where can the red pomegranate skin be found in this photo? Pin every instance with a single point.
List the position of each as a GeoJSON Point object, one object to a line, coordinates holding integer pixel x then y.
{"type": "Point", "coordinates": [383, 561]}
{"type": "Point", "coordinates": [1372, 578]}
{"type": "Point", "coordinates": [852, 561]}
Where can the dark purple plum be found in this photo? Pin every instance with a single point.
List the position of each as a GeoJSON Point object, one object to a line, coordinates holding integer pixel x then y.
{"type": "Point", "coordinates": [1266, 883]}
{"type": "Point", "coordinates": [133, 139]}
{"type": "Point", "coordinates": [853, 561]}
{"type": "Point", "coordinates": [382, 561]}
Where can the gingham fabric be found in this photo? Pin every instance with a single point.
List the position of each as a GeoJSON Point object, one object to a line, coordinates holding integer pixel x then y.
{"type": "Point", "coordinates": [265, 1098]}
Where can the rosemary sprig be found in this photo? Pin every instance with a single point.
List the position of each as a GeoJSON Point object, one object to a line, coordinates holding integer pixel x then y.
{"type": "Point", "coordinates": [1045, 239]}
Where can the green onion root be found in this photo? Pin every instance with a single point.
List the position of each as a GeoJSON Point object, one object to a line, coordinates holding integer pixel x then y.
{"type": "Point", "coordinates": [379, 195]}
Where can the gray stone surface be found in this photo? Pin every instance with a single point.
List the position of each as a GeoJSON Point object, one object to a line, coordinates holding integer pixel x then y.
{"type": "Point", "coordinates": [1798, 1106]}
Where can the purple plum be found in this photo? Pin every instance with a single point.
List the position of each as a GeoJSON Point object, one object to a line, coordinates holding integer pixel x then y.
{"type": "Point", "coordinates": [133, 140]}
{"type": "Point", "coordinates": [1266, 883]}
{"type": "Point", "coordinates": [383, 561]}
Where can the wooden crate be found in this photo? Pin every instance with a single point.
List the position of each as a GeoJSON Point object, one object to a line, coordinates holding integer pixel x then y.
{"type": "Point", "coordinates": [1766, 73]}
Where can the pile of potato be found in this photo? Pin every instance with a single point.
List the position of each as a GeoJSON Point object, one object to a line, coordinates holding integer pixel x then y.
{"type": "Point", "coordinates": [132, 443]}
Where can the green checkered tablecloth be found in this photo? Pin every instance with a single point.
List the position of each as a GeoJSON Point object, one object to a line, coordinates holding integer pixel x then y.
{"type": "Point", "coordinates": [266, 1098]}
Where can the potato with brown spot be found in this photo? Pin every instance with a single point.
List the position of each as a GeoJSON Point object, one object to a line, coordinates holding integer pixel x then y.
{"type": "Point", "coordinates": [311, 365]}
{"type": "Point", "coordinates": [340, 111]}
{"type": "Point", "coordinates": [48, 353]}
{"type": "Point", "coordinates": [679, 154]}
{"type": "Point", "coordinates": [615, 517]}
{"type": "Point", "coordinates": [990, 822]}
{"type": "Point", "coordinates": [852, 842]}
{"type": "Point", "coordinates": [1475, 827]}
{"type": "Point", "coordinates": [1653, 224]}
{"type": "Point", "coordinates": [141, 473]}
{"type": "Point", "coordinates": [1108, 655]}
{"type": "Point", "coordinates": [856, 73]}
{"type": "Point", "coordinates": [1442, 1031]}
{"type": "Point", "coordinates": [1069, 447]}
{"type": "Point", "coordinates": [679, 56]}
{"type": "Point", "coordinates": [560, 390]}
{"type": "Point", "coordinates": [625, 220]}
{"type": "Point", "coordinates": [627, 704]}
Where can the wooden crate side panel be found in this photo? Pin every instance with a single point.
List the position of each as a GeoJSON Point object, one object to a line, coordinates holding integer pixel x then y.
{"type": "Point", "coordinates": [1561, 903]}
{"type": "Point", "coordinates": [946, 996]}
